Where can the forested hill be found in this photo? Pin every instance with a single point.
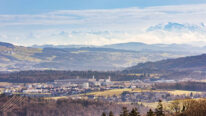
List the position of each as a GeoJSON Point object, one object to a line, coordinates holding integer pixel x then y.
{"type": "Point", "coordinates": [183, 63]}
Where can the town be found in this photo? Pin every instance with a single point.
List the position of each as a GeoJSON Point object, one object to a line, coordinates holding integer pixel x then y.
{"type": "Point", "coordinates": [134, 91]}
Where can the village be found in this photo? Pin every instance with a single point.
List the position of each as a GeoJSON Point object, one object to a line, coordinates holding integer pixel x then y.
{"type": "Point", "coordinates": [102, 89]}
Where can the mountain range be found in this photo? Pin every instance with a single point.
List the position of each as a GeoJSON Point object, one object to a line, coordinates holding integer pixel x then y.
{"type": "Point", "coordinates": [136, 46]}
{"type": "Point", "coordinates": [173, 26]}
{"type": "Point", "coordinates": [99, 58]}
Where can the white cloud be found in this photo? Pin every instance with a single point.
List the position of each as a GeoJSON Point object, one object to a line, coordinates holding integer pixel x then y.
{"type": "Point", "coordinates": [98, 27]}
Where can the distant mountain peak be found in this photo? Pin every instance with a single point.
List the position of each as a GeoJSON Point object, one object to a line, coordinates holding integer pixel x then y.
{"type": "Point", "coordinates": [173, 26]}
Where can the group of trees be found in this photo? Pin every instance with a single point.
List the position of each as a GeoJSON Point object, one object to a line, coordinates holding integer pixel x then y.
{"type": "Point", "coordinates": [125, 112]}
{"type": "Point", "coordinates": [185, 107]}
{"type": "Point", "coordinates": [134, 112]}
{"type": "Point", "coordinates": [188, 107]}
{"type": "Point", "coordinates": [191, 86]}
{"type": "Point", "coordinates": [158, 111]}
{"type": "Point", "coordinates": [51, 75]}
{"type": "Point", "coordinates": [27, 106]}
{"type": "Point", "coordinates": [110, 114]}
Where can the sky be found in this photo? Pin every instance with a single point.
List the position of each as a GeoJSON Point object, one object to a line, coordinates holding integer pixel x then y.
{"type": "Point", "coordinates": [101, 22]}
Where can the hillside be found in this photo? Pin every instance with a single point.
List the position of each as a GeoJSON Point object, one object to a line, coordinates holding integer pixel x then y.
{"type": "Point", "coordinates": [28, 106]}
{"type": "Point", "coordinates": [176, 48]}
{"type": "Point", "coordinates": [113, 57]}
{"type": "Point", "coordinates": [137, 46]}
{"type": "Point", "coordinates": [15, 57]}
{"type": "Point", "coordinates": [192, 62]}
{"type": "Point", "coordinates": [185, 67]}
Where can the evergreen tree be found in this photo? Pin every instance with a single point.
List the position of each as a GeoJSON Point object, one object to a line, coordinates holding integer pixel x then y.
{"type": "Point", "coordinates": [159, 109]}
{"type": "Point", "coordinates": [103, 114]}
{"type": "Point", "coordinates": [150, 113]}
{"type": "Point", "coordinates": [183, 108]}
{"type": "Point", "coordinates": [111, 113]}
{"type": "Point", "coordinates": [134, 112]}
{"type": "Point", "coordinates": [124, 112]}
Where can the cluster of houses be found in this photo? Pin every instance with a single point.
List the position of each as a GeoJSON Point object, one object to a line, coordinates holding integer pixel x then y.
{"type": "Point", "coordinates": [59, 87]}
{"type": "Point", "coordinates": [83, 83]}
{"type": "Point", "coordinates": [77, 87]}
{"type": "Point", "coordinates": [147, 97]}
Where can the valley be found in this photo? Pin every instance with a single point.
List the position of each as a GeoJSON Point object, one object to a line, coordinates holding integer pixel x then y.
{"type": "Point", "coordinates": [104, 58]}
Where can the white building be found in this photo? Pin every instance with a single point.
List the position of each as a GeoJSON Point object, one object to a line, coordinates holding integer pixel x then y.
{"type": "Point", "coordinates": [85, 85]}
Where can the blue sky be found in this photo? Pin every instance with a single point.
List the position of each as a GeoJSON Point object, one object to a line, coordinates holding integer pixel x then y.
{"type": "Point", "coordinates": [100, 22]}
{"type": "Point", "coordinates": [39, 6]}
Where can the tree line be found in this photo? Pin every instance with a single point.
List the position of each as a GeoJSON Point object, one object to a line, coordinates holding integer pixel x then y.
{"type": "Point", "coordinates": [185, 107]}
{"type": "Point", "coordinates": [189, 85]}
{"type": "Point", "coordinates": [28, 106]}
{"type": "Point", "coordinates": [34, 76]}
{"type": "Point", "coordinates": [134, 112]}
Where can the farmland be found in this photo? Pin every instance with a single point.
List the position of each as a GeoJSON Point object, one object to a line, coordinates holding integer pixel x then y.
{"type": "Point", "coordinates": [118, 92]}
